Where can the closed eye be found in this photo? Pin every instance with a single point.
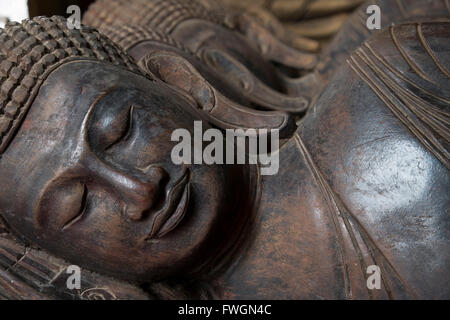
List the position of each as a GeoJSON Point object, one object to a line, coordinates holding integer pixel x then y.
{"type": "Point", "coordinates": [81, 210]}
{"type": "Point", "coordinates": [126, 130]}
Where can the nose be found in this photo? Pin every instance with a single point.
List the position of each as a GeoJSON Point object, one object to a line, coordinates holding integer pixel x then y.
{"type": "Point", "coordinates": [144, 194]}
{"type": "Point", "coordinates": [139, 190]}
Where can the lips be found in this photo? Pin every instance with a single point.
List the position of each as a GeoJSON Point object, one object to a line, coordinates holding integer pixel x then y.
{"type": "Point", "coordinates": [168, 217]}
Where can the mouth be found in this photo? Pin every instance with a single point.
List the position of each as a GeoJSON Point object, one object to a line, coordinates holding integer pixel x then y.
{"type": "Point", "coordinates": [172, 213]}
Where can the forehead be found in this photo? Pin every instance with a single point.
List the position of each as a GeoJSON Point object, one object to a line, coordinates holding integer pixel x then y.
{"type": "Point", "coordinates": [71, 90]}
{"type": "Point", "coordinates": [74, 86]}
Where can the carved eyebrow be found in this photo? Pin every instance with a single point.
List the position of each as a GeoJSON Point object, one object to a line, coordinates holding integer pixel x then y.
{"type": "Point", "coordinates": [127, 131]}
{"type": "Point", "coordinates": [87, 119]}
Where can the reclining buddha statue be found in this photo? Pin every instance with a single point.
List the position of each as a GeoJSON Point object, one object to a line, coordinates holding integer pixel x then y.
{"type": "Point", "coordinates": [87, 177]}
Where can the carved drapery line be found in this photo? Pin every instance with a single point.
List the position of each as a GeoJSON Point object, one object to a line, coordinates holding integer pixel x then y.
{"type": "Point", "coordinates": [348, 226]}
{"type": "Point", "coordinates": [428, 123]}
{"type": "Point", "coordinates": [29, 273]}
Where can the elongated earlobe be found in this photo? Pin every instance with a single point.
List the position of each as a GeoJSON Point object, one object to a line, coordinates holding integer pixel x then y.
{"type": "Point", "coordinates": [222, 112]}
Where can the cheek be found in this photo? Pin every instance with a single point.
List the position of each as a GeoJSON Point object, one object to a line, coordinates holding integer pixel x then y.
{"type": "Point", "coordinates": [208, 196]}
{"type": "Point", "coordinates": [105, 240]}
{"type": "Point", "coordinates": [105, 225]}
{"type": "Point", "coordinates": [102, 230]}
{"type": "Point", "coordinates": [209, 182]}
{"type": "Point", "coordinates": [151, 143]}
{"type": "Point", "coordinates": [149, 150]}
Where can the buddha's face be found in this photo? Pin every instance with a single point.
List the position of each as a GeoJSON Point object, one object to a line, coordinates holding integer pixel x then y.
{"type": "Point", "coordinates": [89, 175]}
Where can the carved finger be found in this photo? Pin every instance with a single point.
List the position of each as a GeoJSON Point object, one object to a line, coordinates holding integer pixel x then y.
{"type": "Point", "coordinates": [271, 47]}
{"type": "Point", "coordinates": [326, 7]}
{"type": "Point", "coordinates": [270, 22]}
{"type": "Point", "coordinates": [288, 9]}
{"type": "Point", "coordinates": [319, 28]}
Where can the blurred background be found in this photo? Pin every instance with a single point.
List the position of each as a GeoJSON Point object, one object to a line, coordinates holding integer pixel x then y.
{"type": "Point", "coordinates": [13, 10]}
{"type": "Point", "coordinates": [16, 10]}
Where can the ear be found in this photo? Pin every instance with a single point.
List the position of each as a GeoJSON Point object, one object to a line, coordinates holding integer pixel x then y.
{"type": "Point", "coordinates": [176, 71]}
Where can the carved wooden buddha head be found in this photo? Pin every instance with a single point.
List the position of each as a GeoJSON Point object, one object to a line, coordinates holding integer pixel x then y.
{"type": "Point", "coordinates": [85, 167]}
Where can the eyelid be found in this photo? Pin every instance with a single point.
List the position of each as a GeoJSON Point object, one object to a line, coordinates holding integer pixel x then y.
{"type": "Point", "coordinates": [81, 210]}
{"type": "Point", "coordinates": [126, 132]}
